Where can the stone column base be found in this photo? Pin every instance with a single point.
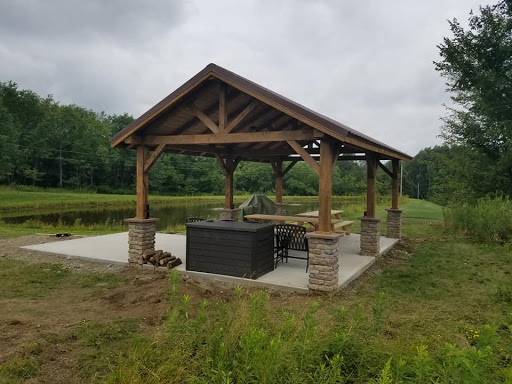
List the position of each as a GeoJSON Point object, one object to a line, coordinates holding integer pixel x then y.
{"type": "Point", "coordinates": [141, 237]}
{"type": "Point", "coordinates": [280, 209]}
{"type": "Point", "coordinates": [323, 262]}
{"type": "Point", "coordinates": [370, 236]}
{"type": "Point", "coordinates": [394, 223]}
{"type": "Point", "coordinates": [229, 214]}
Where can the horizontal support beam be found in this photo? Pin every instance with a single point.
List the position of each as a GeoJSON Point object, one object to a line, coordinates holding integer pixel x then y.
{"type": "Point", "coordinates": [231, 138]}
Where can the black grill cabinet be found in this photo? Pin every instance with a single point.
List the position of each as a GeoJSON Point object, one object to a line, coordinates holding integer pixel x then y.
{"type": "Point", "coordinates": [230, 248]}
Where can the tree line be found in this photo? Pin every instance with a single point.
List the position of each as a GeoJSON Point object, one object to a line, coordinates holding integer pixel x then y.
{"type": "Point", "coordinates": [46, 144]}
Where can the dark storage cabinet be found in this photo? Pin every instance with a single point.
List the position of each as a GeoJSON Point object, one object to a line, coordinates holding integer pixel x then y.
{"type": "Point", "coordinates": [230, 248]}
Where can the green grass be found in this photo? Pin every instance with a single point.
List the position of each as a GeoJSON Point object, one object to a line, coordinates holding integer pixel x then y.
{"type": "Point", "coordinates": [16, 199]}
{"type": "Point", "coordinates": [20, 279]}
{"type": "Point", "coordinates": [13, 199]}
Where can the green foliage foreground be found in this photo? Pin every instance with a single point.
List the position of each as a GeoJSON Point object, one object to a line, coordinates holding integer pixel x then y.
{"type": "Point", "coordinates": [245, 341]}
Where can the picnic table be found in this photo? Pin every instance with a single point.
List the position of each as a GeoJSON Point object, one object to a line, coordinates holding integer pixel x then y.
{"type": "Point", "coordinates": [334, 212]}
{"type": "Point", "coordinates": [342, 224]}
{"type": "Point", "coordinates": [298, 219]}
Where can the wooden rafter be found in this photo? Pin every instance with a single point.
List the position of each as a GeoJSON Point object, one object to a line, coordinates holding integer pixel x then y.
{"type": "Point", "coordinates": [204, 118]}
{"type": "Point", "coordinates": [248, 109]}
{"type": "Point", "coordinates": [230, 97]}
{"type": "Point", "coordinates": [305, 155]}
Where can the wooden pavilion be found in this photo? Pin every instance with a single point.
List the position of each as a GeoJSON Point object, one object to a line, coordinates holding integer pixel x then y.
{"type": "Point", "coordinates": [220, 114]}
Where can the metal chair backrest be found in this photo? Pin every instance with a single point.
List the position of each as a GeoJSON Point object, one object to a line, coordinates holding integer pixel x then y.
{"type": "Point", "coordinates": [193, 219]}
{"type": "Point", "coordinates": [291, 236]}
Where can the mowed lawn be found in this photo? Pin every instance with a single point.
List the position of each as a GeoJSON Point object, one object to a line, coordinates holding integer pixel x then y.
{"type": "Point", "coordinates": [436, 309]}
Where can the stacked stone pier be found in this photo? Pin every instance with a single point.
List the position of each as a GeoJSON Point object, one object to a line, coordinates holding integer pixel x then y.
{"type": "Point", "coordinates": [141, 237]}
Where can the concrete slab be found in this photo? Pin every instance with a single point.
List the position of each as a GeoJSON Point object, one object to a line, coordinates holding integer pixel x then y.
{"type": "Point", "coordinates": [289, 276]}
{"type": "Point", "coordinates": [109, 248]}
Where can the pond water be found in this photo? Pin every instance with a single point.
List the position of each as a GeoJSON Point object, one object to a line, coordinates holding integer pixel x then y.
{"type": "Point", "coordinates": [169, 215]}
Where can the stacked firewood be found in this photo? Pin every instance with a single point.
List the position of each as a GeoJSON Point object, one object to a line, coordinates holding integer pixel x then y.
{"type": "Point", "coordinates": [160, 258]}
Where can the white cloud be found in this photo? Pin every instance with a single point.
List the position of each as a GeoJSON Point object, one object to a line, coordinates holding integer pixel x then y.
{"type": "Point", "coordinates": [366, 64]}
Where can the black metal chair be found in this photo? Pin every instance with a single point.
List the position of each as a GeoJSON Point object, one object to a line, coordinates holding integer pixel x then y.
{"type": "Point", "coordinates": [290, 237]}
{"type": "Point", "coordinates": [193, 219]}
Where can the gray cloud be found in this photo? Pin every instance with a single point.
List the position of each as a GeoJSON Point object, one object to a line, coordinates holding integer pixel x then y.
{"type": "Point", "coordinates": [367, 64]}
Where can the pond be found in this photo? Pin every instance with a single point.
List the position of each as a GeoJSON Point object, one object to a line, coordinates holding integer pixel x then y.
{"type": "Point", "coordinates": [170, 215]}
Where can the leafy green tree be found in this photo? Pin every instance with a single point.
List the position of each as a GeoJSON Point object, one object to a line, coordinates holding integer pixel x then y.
{"type": "Point", "coordinates": [8, 140]}
{"type": "Point", "coordinates": [478, 67]}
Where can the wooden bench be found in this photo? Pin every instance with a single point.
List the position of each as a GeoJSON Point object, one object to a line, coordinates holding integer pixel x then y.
{"type": "Point", "coordinates": [344, 226]}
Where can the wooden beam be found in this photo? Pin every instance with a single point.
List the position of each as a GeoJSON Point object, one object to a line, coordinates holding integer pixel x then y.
{"type": "Point", "coordinates": [228, 167]}
{"type": "Point", "coordinates": [371, 170]}
{"type": "Point", "coordinates": [325, 186]}
{"type": "Point", "coordinates": [352, 158]}
{"type": "Point", "coordinates": [142, 187]}
{"type": "Point", "coordinates": [385, 169]}
{"type": "Point", "coordinates": [277, 166]}
{"type": "Point", "coordinates": [154, 157]}
{"type": "Point", "coordinates": [290, 166]}
{"type": "Point", "coordinates": [222, 164]}
{"type": "Point", "coordinates": [241, 116]}
{"type": "Point", "coordinates": [205, 119]}
{"type": "Point", "coordinates": [336, 153]}
{"type": "Point", "coordinates": [395, 163]}
{"type": "Point", "coordinates": [232, 138]}
{"type": "Point", "coordinates": [223, 114]}
{"type": "Point", "coordinates": [305, 155]}
{"type": "Point", "coordinates": [231, 97]}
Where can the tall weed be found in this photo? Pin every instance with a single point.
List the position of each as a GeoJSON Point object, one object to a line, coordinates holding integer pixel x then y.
{"type": "Point", "coordinates": [487, 220]}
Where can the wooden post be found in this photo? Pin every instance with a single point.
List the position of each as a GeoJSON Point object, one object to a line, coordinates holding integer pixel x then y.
{"type": "Point", "coordinates": [228, 167]}
{"type": "Point", "coordinates": [371, 165]}
{"type": "Point", "coordinates": [278, 173]}
{"type": "Point", "coordinates": [394, 184]}
{"type": "Point", "coordinates": [223, 115]}
{"type": "Point", "coordinates": [142, 183]}
{"type": "Point", "coordinates": [325, 185]}
{"type": "Point", "coordinates": [228, 203]}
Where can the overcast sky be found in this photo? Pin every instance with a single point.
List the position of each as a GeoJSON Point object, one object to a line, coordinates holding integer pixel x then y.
{"type": "Point", "coordinates": [367, 64]}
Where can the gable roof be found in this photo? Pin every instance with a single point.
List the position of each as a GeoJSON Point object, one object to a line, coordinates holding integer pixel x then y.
{"type": "Point", "coordinates": [281, 103]}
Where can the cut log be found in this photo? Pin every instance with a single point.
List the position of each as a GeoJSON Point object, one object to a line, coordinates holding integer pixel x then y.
{"type": "Point", "coordinates": [165, 260]}
{"type": "Point", "coordinates": [158, 256]}
{"type": "Point", "coordinates": [174, 263]}
{"type": "Point", "coordinates": [148, 253]}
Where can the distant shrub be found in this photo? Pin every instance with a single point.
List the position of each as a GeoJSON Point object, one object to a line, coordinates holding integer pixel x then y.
{"type": "Point", "coordinates": [487, 220]}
